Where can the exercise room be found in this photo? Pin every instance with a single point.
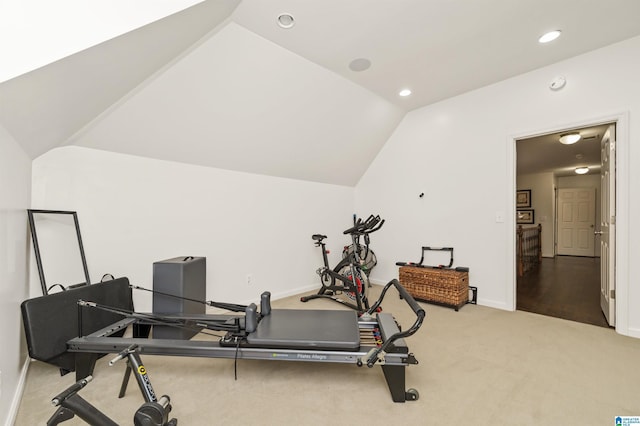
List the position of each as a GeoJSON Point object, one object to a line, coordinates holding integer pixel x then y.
{"type": "Point", "coordinates": [299, 213]}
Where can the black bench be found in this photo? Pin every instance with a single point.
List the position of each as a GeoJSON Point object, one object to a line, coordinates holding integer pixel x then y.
{"type": "Point", "coordinates": [51, 321]}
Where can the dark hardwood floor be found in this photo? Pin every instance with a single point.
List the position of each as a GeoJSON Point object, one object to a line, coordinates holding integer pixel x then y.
{"type": "Point", "coordinates": [565, 287]}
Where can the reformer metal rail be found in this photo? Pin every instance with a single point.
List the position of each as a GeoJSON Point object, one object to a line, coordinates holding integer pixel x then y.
{"type": "Point", "coordinates": [392, 355]}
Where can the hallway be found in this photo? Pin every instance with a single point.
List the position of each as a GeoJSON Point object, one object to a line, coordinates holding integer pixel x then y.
{"type": "Point", "coordinates": [565, 287]}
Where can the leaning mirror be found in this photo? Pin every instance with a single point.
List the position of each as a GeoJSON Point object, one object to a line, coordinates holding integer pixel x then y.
{"type": "Point", "coordinates": [58, 250]}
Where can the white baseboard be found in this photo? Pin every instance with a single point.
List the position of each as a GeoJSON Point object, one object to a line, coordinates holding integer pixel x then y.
{"type": "Point", "coordinates": [17, 396]}
{"type": "Point", "coordinates": [483, 302]}
{"type": "Point", "coordinates": [378, 282]}
{"type": "Point", "coordinates": [274, 296]}
{"type": "Point", "coordinates": [298, 290]}
{"type": "Point", "coordinates": [633, 332]}
{"type": "Point", "coordinates": [493, 304]}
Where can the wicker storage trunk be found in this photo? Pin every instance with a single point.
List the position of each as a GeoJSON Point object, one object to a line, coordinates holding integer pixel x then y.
{"type": "Point", "coordinates": [441, 286]}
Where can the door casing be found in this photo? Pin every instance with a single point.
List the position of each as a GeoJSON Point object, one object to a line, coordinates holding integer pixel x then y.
{"type": "Point", "coordinates": [621, 176]}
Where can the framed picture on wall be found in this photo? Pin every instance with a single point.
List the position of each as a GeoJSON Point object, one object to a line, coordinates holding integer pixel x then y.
{"type": "Point", "coordinates": [525, 217]}
{"type": "Point", "coordinates": [523, 198]}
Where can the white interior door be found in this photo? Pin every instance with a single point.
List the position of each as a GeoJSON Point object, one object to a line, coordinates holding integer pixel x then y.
{"type": "Point", "coordinates": [576, 221]}
{"type": "Point", "coordinates": [607, 225]}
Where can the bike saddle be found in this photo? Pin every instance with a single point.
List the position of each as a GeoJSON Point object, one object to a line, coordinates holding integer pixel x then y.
{"type": "Point", "coordinates": [318, 237]}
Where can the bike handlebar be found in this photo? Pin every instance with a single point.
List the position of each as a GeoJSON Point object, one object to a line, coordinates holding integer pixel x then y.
{"type": "Point", "coordinates": [374, 229]}
{"type": "Point", "coordinates": [357, 225]}
{"type": "Point", "coordinates": [360, 227]}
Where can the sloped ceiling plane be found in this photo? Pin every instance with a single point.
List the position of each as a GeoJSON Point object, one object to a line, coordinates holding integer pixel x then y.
{"type": "Point", "coordinates": [223, 83]}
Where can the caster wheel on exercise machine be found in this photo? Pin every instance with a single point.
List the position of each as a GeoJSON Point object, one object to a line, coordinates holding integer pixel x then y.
{"type": "Point", "coordinates": [412, 395]}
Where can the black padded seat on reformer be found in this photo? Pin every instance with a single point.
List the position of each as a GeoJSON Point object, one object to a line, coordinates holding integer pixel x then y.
{"type": "Point", "coordinates": [307, 329]}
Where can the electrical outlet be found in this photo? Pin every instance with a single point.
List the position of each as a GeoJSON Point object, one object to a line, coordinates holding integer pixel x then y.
{"type": "Point", "coordinates": [249, 278]}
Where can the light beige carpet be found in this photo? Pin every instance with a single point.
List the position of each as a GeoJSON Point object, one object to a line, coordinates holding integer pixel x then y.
{"type": "Point", "coordinates": [478, 366]}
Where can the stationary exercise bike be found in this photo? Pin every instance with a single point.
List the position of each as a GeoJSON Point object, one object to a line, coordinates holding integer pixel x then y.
{"type": "Point", "coordinates": [154, 412]}
{"type": "Point", "coordinates": [348, 277]}
{"type": "Point", "coordinates": [368, 259]}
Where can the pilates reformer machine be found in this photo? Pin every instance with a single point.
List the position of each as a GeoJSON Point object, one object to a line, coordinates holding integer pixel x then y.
{"type": "Point", "coordinates": [74, 328]}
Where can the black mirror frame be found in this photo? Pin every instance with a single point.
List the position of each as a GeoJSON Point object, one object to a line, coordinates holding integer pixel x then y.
{"type": "Point", "coordinates": [36, 247]}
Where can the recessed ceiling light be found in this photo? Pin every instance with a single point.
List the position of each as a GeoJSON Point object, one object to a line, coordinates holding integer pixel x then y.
{"type": "Point", "coordinates": [550, 36]}
{"type": "Point", "coordinates": [286, 21]}
{"type": "Point", "coordinates": [360, 64]}
{"type": "Point", "coordinates": [404, 92]}
{"type": "Point", "coordinates": [582, 170]}
{"type": "Point", "coordinates": [569, 138]}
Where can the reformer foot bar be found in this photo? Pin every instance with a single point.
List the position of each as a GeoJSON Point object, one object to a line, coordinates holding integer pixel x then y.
{"type": "Point", "coordinates": [326, 336]}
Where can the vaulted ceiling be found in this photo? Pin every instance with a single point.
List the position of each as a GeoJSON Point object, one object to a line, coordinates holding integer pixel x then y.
{"type": "Point", "coordinates": [221, 84]}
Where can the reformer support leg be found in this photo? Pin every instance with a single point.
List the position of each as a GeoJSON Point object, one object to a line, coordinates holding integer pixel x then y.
{"type": "Point", "coordinates": [125, 381]}
{"type": "Point", "coordinates": [395, 375]}
{"type": "Point", "coordinates": [85, 363]}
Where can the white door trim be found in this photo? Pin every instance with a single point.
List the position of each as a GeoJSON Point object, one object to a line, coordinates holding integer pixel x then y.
{"type": "Point", "coordinates": [622, 211]}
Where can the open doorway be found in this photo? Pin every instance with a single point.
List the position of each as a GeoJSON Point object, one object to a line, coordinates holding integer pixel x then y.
{"type": "Point", "coordinates": [566, 277]}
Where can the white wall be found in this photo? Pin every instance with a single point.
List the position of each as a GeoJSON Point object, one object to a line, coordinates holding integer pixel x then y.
{"type": "Point", "coordinates": [239, 102]}
{"type": "Point", "coordinates": [134, 211]}
{"type": "Point", "coordinates": [15, 190]}
{"type": "Point", "coordinates": [460, 153]}
{"type": "Point", "coordinates": [542, 203]}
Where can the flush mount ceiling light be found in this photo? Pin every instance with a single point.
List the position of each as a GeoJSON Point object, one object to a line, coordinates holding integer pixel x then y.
{"type": "Point", "coordinates": [404, 93]}
{"type": "Point", "coordinates": [582, 170]}
{"type": "Point", "coordinates": [286, 21]}
{"type": "Point", "coordinates": [569, 138]}
{"type": "Point", "coordinates": [550, 36]}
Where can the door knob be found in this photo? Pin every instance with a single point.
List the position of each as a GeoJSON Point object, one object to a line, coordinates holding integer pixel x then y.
{"type": "Point", "coordinates": [597, 232]}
